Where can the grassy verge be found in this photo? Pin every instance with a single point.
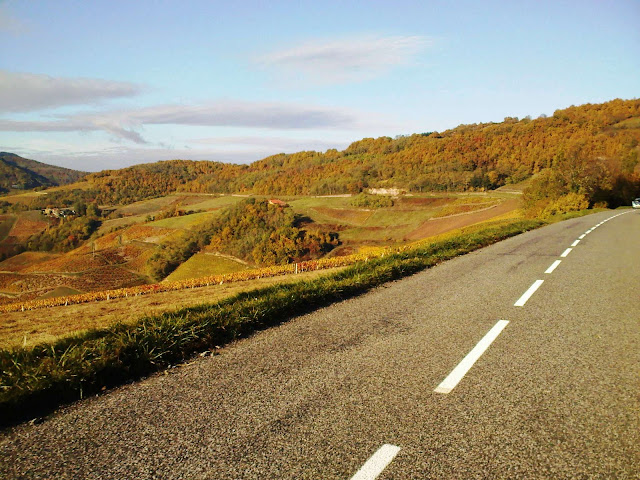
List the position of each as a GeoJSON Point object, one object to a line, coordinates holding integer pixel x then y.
{"type": "Point", "coordinates": [36, 380]}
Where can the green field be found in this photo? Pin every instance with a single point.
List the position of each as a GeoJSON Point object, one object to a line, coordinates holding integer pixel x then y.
{"type": "Point", "coordinates": [384, 226]}
{"type": "Point", "coordinates": [184, 222]}
{"type": "Point", "coordinates": [205, 264]}
{"type": "Point", "coordinates": [60, 292]}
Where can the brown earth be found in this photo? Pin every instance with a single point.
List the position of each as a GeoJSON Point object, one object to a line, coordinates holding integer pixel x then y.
{"type": "Point", "coordinates": [437, 226]}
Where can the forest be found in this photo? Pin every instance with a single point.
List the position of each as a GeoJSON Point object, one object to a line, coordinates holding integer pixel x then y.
{"type": "Point", "coordinates": [590, 150]}
{"type": "Point", "coordinates": [253, 230]}
{"type": "Point", "coordinates": [594, 147]}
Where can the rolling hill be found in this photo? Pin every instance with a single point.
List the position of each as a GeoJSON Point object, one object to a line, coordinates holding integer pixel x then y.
{"type": "Point", "coordinates": [21, 173]}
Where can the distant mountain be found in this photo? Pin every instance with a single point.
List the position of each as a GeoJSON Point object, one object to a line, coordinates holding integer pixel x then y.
{"type": "Point", "coordinates": [22, 173]}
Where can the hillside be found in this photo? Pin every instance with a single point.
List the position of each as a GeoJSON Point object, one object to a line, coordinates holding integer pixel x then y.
{"type": "Point", "coordinates": [21, 173]}
{"type": "Point", "coordinates": [160, 217]}
{"type": "Point", "coordinates": [595, 146]}
{"type": "Point", "coordinates": [469, 157]}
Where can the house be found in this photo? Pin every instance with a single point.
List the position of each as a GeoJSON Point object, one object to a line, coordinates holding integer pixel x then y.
{"type": "Point", "coordinates": [58, 212]}
{"type": "Point", "coordinates": [280, 203]}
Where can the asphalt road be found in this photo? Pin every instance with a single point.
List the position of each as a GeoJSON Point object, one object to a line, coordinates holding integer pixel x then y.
{"type": "Point", "coordinates": [354, 390]}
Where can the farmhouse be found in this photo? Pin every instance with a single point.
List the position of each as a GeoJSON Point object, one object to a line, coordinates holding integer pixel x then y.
{"type": "Point", "coordinates": [280, 203]}
{"type": "Point", "coordinates": [58, 212]}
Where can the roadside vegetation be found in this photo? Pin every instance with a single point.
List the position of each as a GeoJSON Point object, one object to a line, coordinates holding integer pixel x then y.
{"type": "Point", "coordinates": [35, 380]}
{"type": "Point", "coordinates": [167, 226]}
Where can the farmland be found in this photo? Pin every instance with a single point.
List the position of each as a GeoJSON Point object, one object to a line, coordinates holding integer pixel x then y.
{"type": "Point", "coordinates": [32, 326]}
{"type": "Point", "coordinates": [118, 256]}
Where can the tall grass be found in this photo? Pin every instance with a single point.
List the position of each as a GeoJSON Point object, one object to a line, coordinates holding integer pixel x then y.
{"type": "Point", "coordinates": [36, 380]}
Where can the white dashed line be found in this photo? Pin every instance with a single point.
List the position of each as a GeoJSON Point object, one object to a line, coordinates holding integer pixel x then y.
{"type": "Point", "coordinates": [553, 266]}
{"type": "Point", "coordinates": [566, 252]}
{"type": "Point", "coordinates": [575, 243]}
{"type": "Point", "coordinates": [377, 463]}
{"type": "Point", "coordinates": [582, 236]}
{"type": "Point", "coordinates": [527, 295]}
{"type": "Point", "coordinates": [467, 362]}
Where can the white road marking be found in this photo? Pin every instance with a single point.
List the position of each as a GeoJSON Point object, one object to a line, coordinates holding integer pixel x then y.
{"type": "Point", "coordinates": [467, 362]}
{"type": "Point", "coordinates": [377, 463]}
{"type": "Point", "coordinates": [552, 267]}
{"type": "Point", "coordinates": [575, 243]}
{"type": "Point", "coordinates": [566, 252]}
{"type": "Point", "coordinates": [582, 236]}
{"type": "Point", "coordinates": [527, 295]}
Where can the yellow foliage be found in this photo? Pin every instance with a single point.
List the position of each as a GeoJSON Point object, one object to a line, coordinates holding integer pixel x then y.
{"type": "Point", "coordinates": [570, 202]}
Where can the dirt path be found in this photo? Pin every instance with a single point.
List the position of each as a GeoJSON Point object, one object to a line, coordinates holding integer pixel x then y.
{"type": "Point", "coordinates": [438, 226]}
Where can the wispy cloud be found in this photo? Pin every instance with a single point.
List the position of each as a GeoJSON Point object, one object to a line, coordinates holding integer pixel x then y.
{"type": "Point", "coordinates": [269, 143]}
{"type": "Point", "coordinates": [350, 59]}
{"type": "Point", "coordinates": [124, 123]}
{"type": "Point", "coordinates": [112, 157]}
{"type": "Point", "coordinates": [28, 92]}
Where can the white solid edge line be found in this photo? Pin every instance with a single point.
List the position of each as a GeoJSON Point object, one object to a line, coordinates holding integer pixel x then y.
{"type": "Point", "coordinates": [566, 252]}
{"type": "Point", "coordinates": [377, 463]}
{"type": "Point", "coordinates": [575, 243]}
{"type": "Point", "coordinates": [467, 362]}
{"type": "Point", "coordinates": [527, 295]}
{"type": "Point", "coordinates": [553, 266]}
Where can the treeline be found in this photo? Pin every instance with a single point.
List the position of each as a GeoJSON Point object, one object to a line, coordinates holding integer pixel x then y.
{"type": "Point", "coordinates": [68, 234]}
{"type": "Point", "coordinates": [253, 230]}
{"type": "Point", "coordinates": [22, 173]}
{"type": "Point", "coordinates": [601, 139]}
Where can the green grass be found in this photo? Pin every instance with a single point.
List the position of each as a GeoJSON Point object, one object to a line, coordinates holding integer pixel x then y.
{"type": "Point", "coordinates": [184, 222]}
{"type": "Point", "coordinates": [36, 380]}
{"type": "Point", "coordinates": [203, 265]}
{"type": "Point", "coordinates": [60, 292]}
{"type": "Point", "coordinates": [215, 203]}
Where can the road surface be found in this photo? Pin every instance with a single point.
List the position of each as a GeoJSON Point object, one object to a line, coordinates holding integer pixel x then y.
{"type": "Point", "coordinates": [521, 360]}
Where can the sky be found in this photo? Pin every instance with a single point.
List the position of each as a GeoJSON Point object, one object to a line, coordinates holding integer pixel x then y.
{"type": "Point", "coordinates": [95, 85]}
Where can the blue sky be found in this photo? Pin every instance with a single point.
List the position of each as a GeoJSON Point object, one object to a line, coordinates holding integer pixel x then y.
{"type": "Point", "coordinates": [106, 84]}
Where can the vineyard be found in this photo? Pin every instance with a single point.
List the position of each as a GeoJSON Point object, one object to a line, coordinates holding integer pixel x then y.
{"type": "Point", "coordinates": [107, 294]}
{"type": "Point", "coordinates": [31, 286]}
{"type": "Point", "coordinates": [289, 269]}
{"type": "Point", "coordinates": [466, 205]}
{"type": "Point", "coordinates": [27, 225]}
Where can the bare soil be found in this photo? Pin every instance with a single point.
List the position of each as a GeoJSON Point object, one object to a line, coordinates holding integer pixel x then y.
{"type": "Point", "coordinates": [438, 226]}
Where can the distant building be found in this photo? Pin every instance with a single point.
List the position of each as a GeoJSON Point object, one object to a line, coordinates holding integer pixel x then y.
{"type": "Point", "coordinates": [58, 212]}
{"type": "Point", "coordinates": [386, 191]}
{"type": "Point", "coordinates": [280, 203]}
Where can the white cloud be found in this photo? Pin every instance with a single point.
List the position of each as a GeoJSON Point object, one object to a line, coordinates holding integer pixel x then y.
{"type": "Point", "coordinates": [351, 59]}
{"type": "Point", "coordinates": [123, 123]}
{"type": "Point", "coordinates": [28, 92]}
{"type": "Point", "coordinates": [270, 144]}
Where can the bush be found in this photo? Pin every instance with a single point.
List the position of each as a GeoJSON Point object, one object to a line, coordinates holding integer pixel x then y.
{"type": "Point", "coordinates": [371, 201]}
{"type": "Point", "coordinates": [571, 202]}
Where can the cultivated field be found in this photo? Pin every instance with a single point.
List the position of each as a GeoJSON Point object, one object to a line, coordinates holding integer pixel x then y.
{"type": "Point", "coordinates": [116, 259]}
{"type": "Point", "coordinates": [44, 325]}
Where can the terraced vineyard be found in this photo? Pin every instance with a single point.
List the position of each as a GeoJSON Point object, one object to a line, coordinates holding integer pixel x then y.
{"type": "Point", "coordinates": [116, 260]}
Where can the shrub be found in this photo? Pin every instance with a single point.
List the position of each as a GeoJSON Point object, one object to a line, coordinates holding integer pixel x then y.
{"type": "Point", "coordinates": [371, 201]}
{"type": "Point", "coordinates": [567, 203]}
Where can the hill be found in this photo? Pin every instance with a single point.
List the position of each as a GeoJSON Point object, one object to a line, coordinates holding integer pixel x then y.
{"type": "Point", "coordinates": [595, 146]}
{"type": "Point", "coordinates": [21, 173]}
